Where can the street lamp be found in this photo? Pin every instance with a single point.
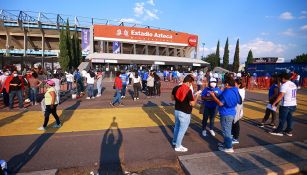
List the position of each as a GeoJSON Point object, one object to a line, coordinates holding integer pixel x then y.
{"type": "Point", "coordinates": [203, 50]}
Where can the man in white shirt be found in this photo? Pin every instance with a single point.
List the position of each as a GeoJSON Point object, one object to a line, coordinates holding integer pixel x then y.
{"type": "Point", "coordinates": [70, 80]}
{"type": "Point", "coordinates": [90, 80]}
{"type": "Point", "coordinates": [287, 96]}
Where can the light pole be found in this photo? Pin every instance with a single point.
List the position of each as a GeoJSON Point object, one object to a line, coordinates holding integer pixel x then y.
{"type": "Point", "coordinates": [203, 50]}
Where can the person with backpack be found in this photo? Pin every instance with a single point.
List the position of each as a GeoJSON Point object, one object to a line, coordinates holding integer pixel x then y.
{"type": "Point", "coordinates": [227, 103]}
{"type": "Point", "coordinates": [235, 131]}
{"type": "Point", "coordinates": [184, 102]}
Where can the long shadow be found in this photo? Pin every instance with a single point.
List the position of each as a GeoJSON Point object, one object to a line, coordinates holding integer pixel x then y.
{"type": "Point", "coordinates": [11, 119]}
{"type": "Point", "coordinates": [110, 162]}
{"type": "Point", "coordinates": [160, 117]}
{"type": "Point", "coordinates": [18, 161]}
{"type": "Point", "coordinates": [278, 151]}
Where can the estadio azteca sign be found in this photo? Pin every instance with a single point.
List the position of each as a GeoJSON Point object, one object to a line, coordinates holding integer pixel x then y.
{"type": "Point", "coordinates": [144, 34]}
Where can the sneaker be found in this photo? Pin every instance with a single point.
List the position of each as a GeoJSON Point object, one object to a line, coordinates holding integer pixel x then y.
{"type": "Point", "coordinates": [235, 141]}
{"type": "Point", "coordinates": [289, 134]}
{"type": "Point", "coordinates": [212, 132]}
{"type": "Point", "coordinates": [98, 95]}
{"type": "Point", "coordinates": [226, 150]}
{"type": "Point", "coordinates": [112, 104]}
{"type": "Point", "coordinates": [41, 128]}
{"type": "Point", "coordinates": [181, 149]}
{"type": "Point", "coordinates": [272, 125]}
{"type": "Point", "coordinates": [134, 99]}
{"type": "Point", "coordinates": [276, 133]}
{"type": "Point", "coordinates": [57, 126]}
{"type": "Point", "coordinates": [124, 96]}
{"type": "Point", "coordinates": [261, 125]}
{"type": "Point", "coordinates": [138, 98]}
{"type": "Point", "coordinates": [88, 98]}
{"type": "Point", "coordinates": [204, 133]}
{"type": "Point", "coordinates": [92, 97]}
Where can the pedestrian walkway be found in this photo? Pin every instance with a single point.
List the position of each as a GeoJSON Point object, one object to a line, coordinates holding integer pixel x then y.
{"type": "Point", "coordinates": [284, 158]}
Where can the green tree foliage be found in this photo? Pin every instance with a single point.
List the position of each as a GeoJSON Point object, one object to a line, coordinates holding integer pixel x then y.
{"type": "Point", "coordinates": [300, 59]}
{"type": "Point", "coordinates": [217, 54]}
{"type": "Point", "coordinates": [211, 59]}
{"type": "Point", "coordinates": [250, 58]}
{"type": "Point", "coordinates": [78, 50]}
{"type": "Point", "coordinates": [74, 51]}
{"type": "Point", "coordinates": [226, 55]}
{"type": "Point", "coordinates": [68, 43]}
{"type": "Point", "coordinates": [64, 56]}
{"type": "Point", "coordinates": [236, 59]}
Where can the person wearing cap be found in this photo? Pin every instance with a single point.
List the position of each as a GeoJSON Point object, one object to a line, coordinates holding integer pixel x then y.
{"type": "Point", "coordinates": [210, 106]}
{"type": "Point", "coordinates": [51, 105]}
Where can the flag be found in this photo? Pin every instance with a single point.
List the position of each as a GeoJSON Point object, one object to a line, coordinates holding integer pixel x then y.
{"type": "Point", "coordinates": [116, 47]}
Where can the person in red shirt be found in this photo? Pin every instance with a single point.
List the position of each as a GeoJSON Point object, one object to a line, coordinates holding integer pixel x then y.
{"type": "Point", "coordinates": [14, 85]}
{"type": "Point", "coordinates": [118, 85]}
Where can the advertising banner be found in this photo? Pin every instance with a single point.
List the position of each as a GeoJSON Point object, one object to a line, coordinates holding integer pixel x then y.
{"type": "Point", "coordinates": [85, 38]}
{"type": "Point", "coordinates": [123, 33]}
{"type": "Point", "coordinates": [116, 47]}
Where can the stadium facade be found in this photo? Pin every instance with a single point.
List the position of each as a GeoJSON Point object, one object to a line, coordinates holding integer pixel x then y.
{"type": "Point", "coordinates": [30, 37]}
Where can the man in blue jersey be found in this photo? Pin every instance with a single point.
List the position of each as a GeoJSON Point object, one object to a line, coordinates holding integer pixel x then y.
{"type": "Point", "coordinates": [124, 77]}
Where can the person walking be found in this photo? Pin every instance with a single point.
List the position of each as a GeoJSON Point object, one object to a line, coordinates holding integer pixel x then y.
{"type": "Point", "coordinates": [15, 86]}
{"type": "Point", "coordinates": [51, 106]}
{"type": "Point", "coordinates": [227, 103]}
{"type": "Point", "coordinates": [5, 94]}
{"type": "Point", "coordinates": [79, 82]}
{"type": "Point", "coordinates": [90, 80]}
{"type": "Point", "coordinates": [118, 85]}
{"type": "Point", "coordinates": [57, 86]}
{"type": "Point", "coordinates": [34, 87]}
{"type": "Point", "coordinates": [210, 106]}
{"type": "Point", "coordinates": [144, 81]}
{"type": "Point", "coordinates": [150, 84]}
{"type": "Point", "coordinates": [99, 77]}
{"type": "Point", "coordinates": [200, 80]}
{"type": "Point", "coordinates": [235, 131]}
{"type": "Point", "coordinates": [287, 96]}
{"type": "Point", "coordinates": [137, 85]}
{"type": "Point", "coordinates": [273, 94]}
{"type": "Point", "coordinates": [69, 80]}
{"type": "Point", "coordinates": [157, 85]}
{"type": "Point", "coordinates": [124, 77]}
{"type": "Point", "coordinates": [184, 102]}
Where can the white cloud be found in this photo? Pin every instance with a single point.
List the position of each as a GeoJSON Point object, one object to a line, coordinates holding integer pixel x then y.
{"type": "Point", "coordinates": [151, 15]}
{"type": "Point", "coordinates": [130, 20]}
{"type": "Point", "coordinates": [288, 32]}
{"type": "Point", "coordinates": [286, 16]}
{"type": "Point", "coordinates": [151, 2]}
{"type": "Point", "coordinates": [304, 27]}
{"type": "Point", "coordinates": [302, 17]}
{"type": "Point", "coordinates": [138, 9]}
{"type": "Point", "coordinates": [304, 12]}
{"type": "Point", "coordinates": [261, 47]}
{"type": "Point", "coordinates": [264, 33]}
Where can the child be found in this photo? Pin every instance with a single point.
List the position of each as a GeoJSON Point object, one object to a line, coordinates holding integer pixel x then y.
{"type": "Point", "coordinates": [210, 106]}
{"type": "Point", "coordinates": [235, 131]}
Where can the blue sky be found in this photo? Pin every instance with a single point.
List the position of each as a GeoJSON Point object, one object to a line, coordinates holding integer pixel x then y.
{"type": "Point", "coordinates": [268, 27]}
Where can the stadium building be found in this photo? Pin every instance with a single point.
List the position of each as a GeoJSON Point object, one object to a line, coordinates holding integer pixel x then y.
{"type": "Point", "coordinates": [28, 38]}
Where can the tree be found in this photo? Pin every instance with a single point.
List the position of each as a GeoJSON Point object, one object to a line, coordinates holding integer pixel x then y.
{"type": "Point", "coordinates": [250, 58]}
{"type": "Point", "coordinates": [211, 59]}
{"type": "Point", "coordinates": [78, 50]}
{"type": "Point", "coordinates": [73, 51]}
{"type": "Point", "coordinates": [236, 59]}
{"type": "Point", "coordinates": [300, 58]}
{"type": "Point", "coordinates": [63, 56]}
{"type": "Point", "coordinates": [68, 43]}
{"type": "Point", "coordinates": [226, 56]}
{"type": "Point", "coordinates": [217, 54]}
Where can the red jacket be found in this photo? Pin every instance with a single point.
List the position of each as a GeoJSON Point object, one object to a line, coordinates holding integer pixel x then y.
{"type": "Point", "coordinates": [118, 83]}
{"type": "Point", "coordinates": [8, 81]}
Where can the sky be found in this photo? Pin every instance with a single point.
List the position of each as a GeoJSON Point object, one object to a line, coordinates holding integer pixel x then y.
{"type": "Point", "coordinates": [276, 28]}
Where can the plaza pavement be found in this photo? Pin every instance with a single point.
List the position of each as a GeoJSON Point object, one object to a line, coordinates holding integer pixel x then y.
{"type": "Point", "coordinates": [96, 137]}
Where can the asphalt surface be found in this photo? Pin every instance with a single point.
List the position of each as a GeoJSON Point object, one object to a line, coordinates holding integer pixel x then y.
{"type": "Point", "coordinates": [133, 149]}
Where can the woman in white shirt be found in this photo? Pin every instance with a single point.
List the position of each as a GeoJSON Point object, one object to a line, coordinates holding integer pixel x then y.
{"type": "Point", "coordinates": [150, 84]}
{"type": "Point", "coordinates": [137, 85]}
{"type": "Point", "coordinates": [57, 86]}
{"type": "Point", "coordinates": [235, 131]}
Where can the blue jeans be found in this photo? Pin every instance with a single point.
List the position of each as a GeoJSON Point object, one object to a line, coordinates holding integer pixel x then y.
{"type": "Point", "coordinates": [285, 114]}
{"type": "Point", "coordinates": [99, 87]}
{"type": "Point", "coordinates": [209, 113]}
{"type": "Point", "coordinates": [90, 90]}
{"type": "Point", "coordinates": [19, 96]}
{"type": "Point", "coordinates": [226, 124]}
{"type": "Point", "coordinates": [124, 90]}
{"type": "Point", "coordinates": [182, 121]}
{"type": "Point", "coordinates": [33, 94]}
{"type": "Point", "coordinates": [117, 97]}
{"type": "Point", "coordinates": [69, 86]}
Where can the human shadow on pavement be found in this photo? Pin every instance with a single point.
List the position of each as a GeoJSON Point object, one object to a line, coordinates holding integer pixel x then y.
{"type": "Point", "coordinates": [16, 163]}
{"type": "Point", "coordinates": [112, 140]}
{"type": "Point", "coordinates": [161, 118]}
{"type": "Point", "coordinates": [278, 151]}
{"type": "Point", "coordinates": [12, 118]}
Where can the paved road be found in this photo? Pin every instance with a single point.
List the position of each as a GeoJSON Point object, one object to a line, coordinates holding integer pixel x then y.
{"type": "Point", "coordinates": [132, 138]}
